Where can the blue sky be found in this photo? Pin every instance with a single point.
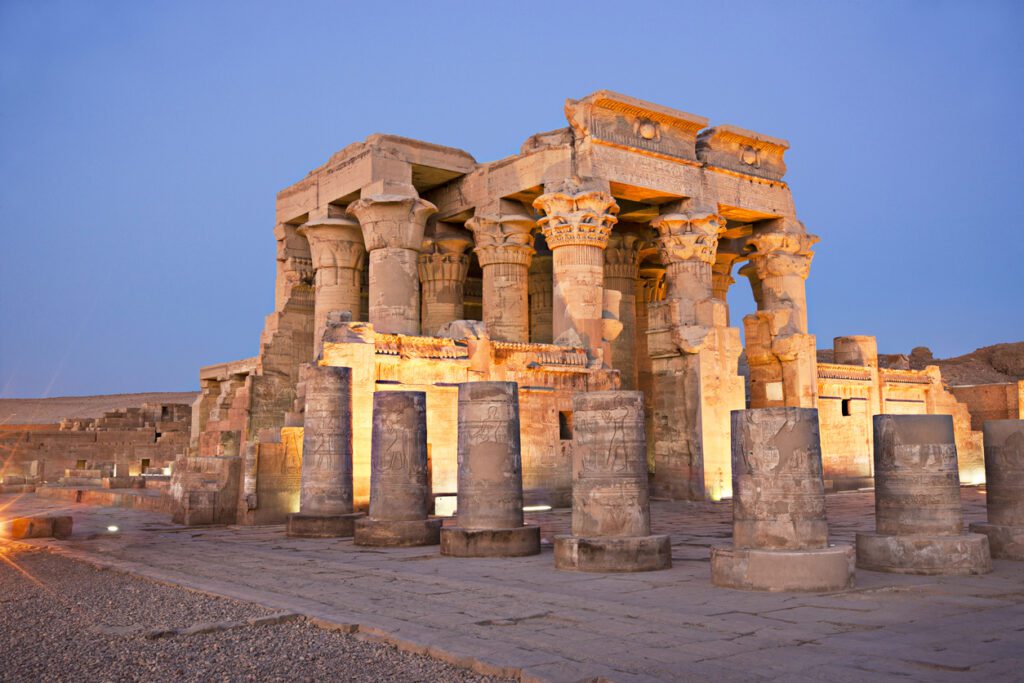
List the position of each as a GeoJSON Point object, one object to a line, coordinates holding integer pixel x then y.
{"type": "Point", "coordinates": [142, 144]}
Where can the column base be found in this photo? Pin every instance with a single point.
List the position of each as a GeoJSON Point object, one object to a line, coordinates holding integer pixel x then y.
{"type": "Point", "coordinates": [1004, 542]}
{"type": "Point", "coordinates": [817, 569]}
{"type": "Point", "coordinates": [321, 526]}
{"type": "Point", "coordinates": [512, 542]}
{"type": "Point", "coordinates": [616, 554]}
{"type": "Point", "coordinates": [404, 534]}
{"type": "Point", "coordinates": [926, 555]}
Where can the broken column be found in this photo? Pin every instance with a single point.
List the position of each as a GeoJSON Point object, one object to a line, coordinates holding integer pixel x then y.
{"type": "Point", "coordinates": [399, 489]}
{"type": "Point", "coordinates": [338, 255]}
{"type": "Point", "coordinates": [443, 265]}
{"type": "Point", "coordinates": [611, 520]}
{"type": "Point", "coordinates": [489, 518]}
{"type": "Point", "coordinates": [576, 226]}
{"type": "Point", "coordinates": [780, 533]}
{"type": "Point", "coordinates": [325, 495]}
{"type": "Point", "coordinates": [393, 226]}
{"type": "Point", "coordinates": [504, 248]}
{"type": "Point", "coordinates": [918, 514]}
{"type": "Point", "coordinates": [1004, 488]}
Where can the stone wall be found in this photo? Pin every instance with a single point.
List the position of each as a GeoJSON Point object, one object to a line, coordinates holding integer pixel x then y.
{"type": "Point", "coordinates": [1004, 401]}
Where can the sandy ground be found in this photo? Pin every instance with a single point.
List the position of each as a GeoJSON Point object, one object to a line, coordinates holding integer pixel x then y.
{"type": "Point", "coordinates": [61, 619]}
{"type": "Point", "coordinates": [52, 410]}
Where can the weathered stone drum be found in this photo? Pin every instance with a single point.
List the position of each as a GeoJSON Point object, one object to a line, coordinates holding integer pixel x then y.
{"type": "Point", "coordinates": [611, 522]}
{"type": "Point", "coordinates": [490, 494]}
{"type": "Point", "coordinates": [325, 497]}
{"type": "Point", "coordinates": [1004, 484]}
{"type": "Point", "coordinates": [780, 532]}
{"type": "Point", "coordinates": [918, 517]}
{"type": "Point", "coordinates": [399, 490]}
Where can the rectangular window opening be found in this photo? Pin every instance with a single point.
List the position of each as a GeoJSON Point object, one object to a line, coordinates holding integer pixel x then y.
{"type": "Point", "coordinates": [565, 425]}
{"type": "Point", "coordinates": [846, 407]}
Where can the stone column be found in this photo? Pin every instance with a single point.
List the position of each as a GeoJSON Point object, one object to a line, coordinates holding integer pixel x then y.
{"type": "Point", "coordinates": [338, 255]}
{"type": "Point", "coordinates": [694, 361]}
{"type": "Point", "coordinates": [650, 289]}
{"type": "Point", "coordinates": [443, 265]}
{"type": "Point", "coordinates": [611, 521]}
{"type": "Point", "coordinates": [782, 355]}
{"type": "Point", "coordinates": [504, 247]}
{"type": "Point", "coordinates": [780, 533]}
{"type": "Point", "coordinates": [490, 491]}
{"type": "Point", "coordinates": [576, 226]}
{"type": "Point", "coordinates": [393, 228]}
{"type": "Point", "coordinates": [540, 298]}
{"type": "Point", "coordinates": [750, 272]}
{"type": "Point", "coordinates": [1004, 486]}
{"type": "Point", "coordinates": [621, 270]}
{"type": "Point", "coordinates": [918, 515]}
{"type": "Point", "coordinates": [722, 280]}
{"type": "Point", "coordinates": [399, 490]}
{"type": "Point", "coordinates": [325, 497]}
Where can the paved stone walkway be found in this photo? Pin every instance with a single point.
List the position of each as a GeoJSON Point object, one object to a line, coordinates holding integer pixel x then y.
{"type": "Point", "coordinates": [523, 618]}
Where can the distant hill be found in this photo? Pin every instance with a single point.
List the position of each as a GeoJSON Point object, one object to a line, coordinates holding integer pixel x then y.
{"type": "Point", "coordinates": [987, 365]}
{"type": "Point", "coordinates": [52, 410]}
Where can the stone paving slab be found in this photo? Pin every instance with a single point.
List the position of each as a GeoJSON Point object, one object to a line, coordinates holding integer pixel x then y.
{"type": "Point", "coordinates": [521, 616]}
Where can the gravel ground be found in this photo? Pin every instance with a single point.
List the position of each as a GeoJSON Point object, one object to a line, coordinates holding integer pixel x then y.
{"type": "Point", "coordinates": [73, 621]}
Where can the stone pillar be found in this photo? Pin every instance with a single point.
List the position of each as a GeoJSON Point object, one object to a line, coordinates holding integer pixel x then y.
{"type": "Point", "coordinates": [443, 265]}
{"type": "Point", "coordinates": [621, 270]}
{"type": "Point", "coordinates": [918, 515]}
{"type": "Point", "coordinates": [504, 247]}
{"type": "Point", "coordinates": [611, 520]}
{"type": "Point", "coordinates": [540, 298]}
{"type": "Point", "coordinates": [338, 255]}
{"type": "Point", "coordinates": [1004, 486]}
{"type": "Point", "coordinates": [490, 492]}
{"type": "Point", "coordinates": [722, 280]}
{"type": "Point", "coordinates": [782, 355]}
{"type": "Point", "coordinates": [325, 497]}
{"type": "Point", "coordinates": [694, 362]}
{"type": "Point", "coordinates": [650, 289]}
{"type": "Point", "coordinates": [399, 489]}
{"type": "Point", "coordinates": [780, 533]}
{"type": "Point", "coordinates": [393, 228]}
{"type": "Point", "coordinates": [576, 226]}
{"type": "Point", "coordinates": [750, 272]}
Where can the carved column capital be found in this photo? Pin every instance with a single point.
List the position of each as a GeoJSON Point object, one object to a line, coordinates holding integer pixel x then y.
{"type": "Point", "coordinates": [443, 257]}
{"type": "Point", "coordinates": [688, 236]}
{"type": "Point", "coordinates": [652, 279]}
{"type": "Point", "coordinates": [779, 254]}
{"type": "Point", "coordinates": [502, 238]}
{"type": "Point", "coordinates": [622, 255]}
{"type": "Point", "coordinates": [335, 243]}
{"type": "Point", "coordinates": [392, 221]}
{"type": "Point", "coordinates": [577, 219]}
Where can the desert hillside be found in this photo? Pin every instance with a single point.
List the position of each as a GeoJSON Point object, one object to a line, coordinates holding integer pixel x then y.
{"type": "Point", "coordinates": [987, 365]}
{"type": "Point", "coordinates": [51, 410]}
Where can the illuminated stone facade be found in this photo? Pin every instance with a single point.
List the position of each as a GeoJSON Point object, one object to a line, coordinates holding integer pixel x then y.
{"type": "Point", "coordinates": [599, 257]}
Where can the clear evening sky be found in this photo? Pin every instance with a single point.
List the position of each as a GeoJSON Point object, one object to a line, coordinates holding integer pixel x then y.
{"type": "Point", "coordinates": [142, 144]}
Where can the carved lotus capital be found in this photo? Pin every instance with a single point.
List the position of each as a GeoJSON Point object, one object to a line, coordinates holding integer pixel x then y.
{"type": "Point", "coordinates": [443, 257]}
{"type": "Point", "coordinates": [577, 219]}
{"type": "Point", "coordinates": [502, 238]}
{"type": "Point", "coordinates": [782, 253]}
{"type": "Point", "coordinates": [622, 255]}
{"type": "Point", "coordinates": [391, 220]}
{"type": "Point", "coordinates": [335, 243]}
{"type": "Point", "coordinates": [688, 236]}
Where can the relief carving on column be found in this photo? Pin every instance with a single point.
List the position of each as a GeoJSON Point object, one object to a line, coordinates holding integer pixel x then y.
{"type": "Point", "coordinates": [502, 238]}
{"type": "Point", "coordinates": [578, 219]}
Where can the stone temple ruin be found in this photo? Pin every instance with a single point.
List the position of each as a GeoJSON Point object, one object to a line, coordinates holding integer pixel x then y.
{"type": "Point", "coordinates": [597, 258]}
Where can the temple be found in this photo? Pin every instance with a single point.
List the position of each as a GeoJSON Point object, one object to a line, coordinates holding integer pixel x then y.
{"type": "Point", "coordinates": [599, 257]}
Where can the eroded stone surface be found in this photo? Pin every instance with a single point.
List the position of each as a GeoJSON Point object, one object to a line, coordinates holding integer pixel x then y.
{"type": "Point", "coordinates": [1004, 477]}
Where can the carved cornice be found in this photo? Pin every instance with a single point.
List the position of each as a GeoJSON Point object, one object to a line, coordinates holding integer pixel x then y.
{"type": "Point", "coordinates": [689, 236]}
{"type": "Point", "coordinates": [779, 254]}
{"type": "Point", "coordinates": [391, 220]}
{"type": "Point", "coordinates": [502, 238]}
{"type": "Point", "coordinates": [578, 219]}
{"type": "Point", "coordinates": [335, 243]}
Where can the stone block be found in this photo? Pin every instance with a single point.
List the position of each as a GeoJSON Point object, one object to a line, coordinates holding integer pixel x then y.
{"type": "Point", "coordinates": [513, 542]}
{"type": "Point", "coordinates": [398, 533]}
{"type": "Point", "coordinates": [924, 554]}
{"type": "Point", "coordinates": [819, 569]}
{"type": "Point", "coordinates": [321, 526]}
{"type": "Point", "coordinates": [613, 554]}
{"type": "Point", "coordinates": [41, 526]}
